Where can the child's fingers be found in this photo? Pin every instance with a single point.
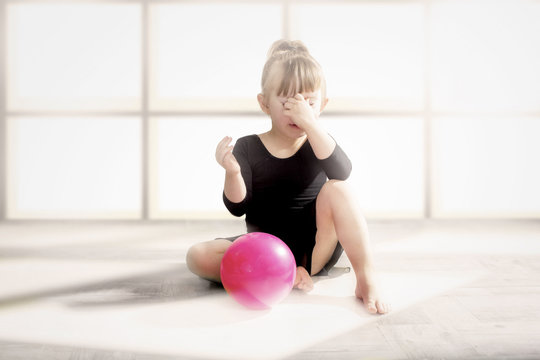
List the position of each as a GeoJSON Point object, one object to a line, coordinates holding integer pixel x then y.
{"type": "Point", "coordinates": [225, 141]}
{"type": "Point", "coordinates": [228, 150]}
{"type": "Point", "coordinates": [292, 100]}
{"type": "Point", "coordinates": [229, 162]}
{"type": "Point", "coordinates": [225, 153]}
{"type": "Point", "coordinates": [222, 145]}
{"type": "Point", "coordinates": [220, 154]}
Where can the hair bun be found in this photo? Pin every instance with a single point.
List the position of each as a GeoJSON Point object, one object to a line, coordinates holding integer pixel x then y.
{"type": "Point", "coordinates": [299, 70]}
{"type": "Point", "coordinates": [288, 46]}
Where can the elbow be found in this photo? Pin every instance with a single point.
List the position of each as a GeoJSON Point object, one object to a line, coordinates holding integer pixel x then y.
{"type": "Point", "coordinates": [348, 171]}
{"type": "Point", "coordinates": [237, 212]}
{"type": "Point", "coordinates": [343, 174]}
{"type": "Point", "coordinates": [235, 208]}
{"type": "Point", "coordinates": [340, 178]}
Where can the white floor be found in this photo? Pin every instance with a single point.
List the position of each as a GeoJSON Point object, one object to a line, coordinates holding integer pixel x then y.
{"type": "Point", "coordinates": [122, 291]}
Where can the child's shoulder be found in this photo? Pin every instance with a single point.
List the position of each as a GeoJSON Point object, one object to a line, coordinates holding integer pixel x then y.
{"type": "Point", "coordinates": [247, 140]}
{"type": "Point", "coordinates": [251, 147]}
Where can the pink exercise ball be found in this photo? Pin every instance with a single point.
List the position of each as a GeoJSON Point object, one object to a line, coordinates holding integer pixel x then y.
{"type": "Point", "coordinates": [258, 270]}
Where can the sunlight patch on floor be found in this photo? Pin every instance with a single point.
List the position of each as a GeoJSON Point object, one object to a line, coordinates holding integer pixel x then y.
{"type": "Point", "coordinates": [486, 239]}
{"type": "Point", "coordinates": [211, 326]}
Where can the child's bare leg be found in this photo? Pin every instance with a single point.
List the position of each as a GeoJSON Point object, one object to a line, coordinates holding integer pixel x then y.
{"type": "Point", "coordinates": [338, 217]}
{"type": "Point", "coordinates": [204, 259]}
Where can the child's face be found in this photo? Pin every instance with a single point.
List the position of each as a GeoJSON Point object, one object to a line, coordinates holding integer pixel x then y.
{"type": "Point", "coordinates": [273, 105]}
{"type": "Point", "coordinates": [276, 106]}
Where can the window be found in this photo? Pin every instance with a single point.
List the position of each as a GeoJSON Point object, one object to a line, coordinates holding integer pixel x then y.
{"type": "Point", "coordinates": [73, 56]}
{"type": "Point", "coordinates": [114, 109]}
{"type": "Point", "coordinates": [74, 167]}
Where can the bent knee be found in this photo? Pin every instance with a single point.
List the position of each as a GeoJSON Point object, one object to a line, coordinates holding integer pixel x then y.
{"type": "Point", "coordinates": [198, 258]}
{"type": "Point", "coordinates": [333, 188]}
{"type": "Point", "coordinates": [195, 257]}
{"type": "Point", "coordinates": [204, 259]}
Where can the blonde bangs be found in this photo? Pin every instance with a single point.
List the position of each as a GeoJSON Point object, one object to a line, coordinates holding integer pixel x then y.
{"type": "Point", "coordinates": [300, 75]}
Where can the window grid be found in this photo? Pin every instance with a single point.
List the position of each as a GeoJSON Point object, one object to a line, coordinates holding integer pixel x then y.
{"type": "Point", "coordinates": [145, 113]}
{"type": "Point", "coordinates": [428, 195]}
{"type": "Point", "coordinates": [3, 135]}
{"type": "Point", "coordinates": [145, 127]}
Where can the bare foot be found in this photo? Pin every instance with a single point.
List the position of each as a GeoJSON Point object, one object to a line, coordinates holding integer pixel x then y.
{"type": "Point", "coordinates": [367, 292]}
{"type": "Point", "coordinates": [302, 280]}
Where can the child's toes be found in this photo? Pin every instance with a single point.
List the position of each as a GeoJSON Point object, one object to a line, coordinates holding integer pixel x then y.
{"type": "Point", "coordinates": [381, 308]}
{"type": "Point", "coordinates": [371, 307]}
{"type": "Point", "coordinates": [307, 284]}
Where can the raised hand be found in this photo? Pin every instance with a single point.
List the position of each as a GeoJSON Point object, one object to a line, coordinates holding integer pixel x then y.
{"type": "Point", "coordinates": [300, 111]}
{"type": "Point", "coordinates": [225, 157]}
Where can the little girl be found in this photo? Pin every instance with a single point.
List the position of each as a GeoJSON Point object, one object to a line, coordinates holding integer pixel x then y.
{"type": "Point", "coordinates": [279, 180]}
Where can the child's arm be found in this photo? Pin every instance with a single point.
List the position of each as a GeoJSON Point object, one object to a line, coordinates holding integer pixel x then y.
{"type": "Point", "coordinates": [234, 188]}
{"type": "Point", "coordinates": [336, 164]}
{"type": "Point", "coordinates": [333, 159]}
{"type": "Point", "coordinates": [323, 145]}
{"type": "Point", "coordinates": [235, 192]}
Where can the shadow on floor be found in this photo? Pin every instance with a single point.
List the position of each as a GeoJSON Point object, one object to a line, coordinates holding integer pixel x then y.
{"type": "Point", "coordinates": [175, 284]}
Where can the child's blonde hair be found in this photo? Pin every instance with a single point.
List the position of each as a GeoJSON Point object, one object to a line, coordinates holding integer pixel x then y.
{"type": "Point", "coordinates": [301, 72]}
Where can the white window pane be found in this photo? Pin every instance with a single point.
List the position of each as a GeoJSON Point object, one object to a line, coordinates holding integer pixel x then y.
{"type": "Point", "coordinates": [485, 167]}
{"type": "Point", "coordinates": [372, 54]}
{"type": "Point", "coordinates": [210, 55]}
{"type": "Point", "coordinates": [74, 167]}
{"type": "Point", "coordinates": [186, 179]}
{"type": "Point", "coordinates": [387, 154]}
{"type": "Point", "coordinates": [73, 56]}
{"type": "Point", "coordinates": [485, 55]}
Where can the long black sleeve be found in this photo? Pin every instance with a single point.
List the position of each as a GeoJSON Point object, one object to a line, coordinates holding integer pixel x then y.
{"type": "Point", "coordinates": [337, 166]}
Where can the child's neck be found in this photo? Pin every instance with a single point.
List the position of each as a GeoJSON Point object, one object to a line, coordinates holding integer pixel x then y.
{"type": "Point", "coordinates": [284, 142]}
{"type": "Point", "coordinates": [281, 146]}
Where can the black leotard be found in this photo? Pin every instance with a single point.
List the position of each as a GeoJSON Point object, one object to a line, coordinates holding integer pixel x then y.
{"type": "Point", "coordinates": [281, 193]}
